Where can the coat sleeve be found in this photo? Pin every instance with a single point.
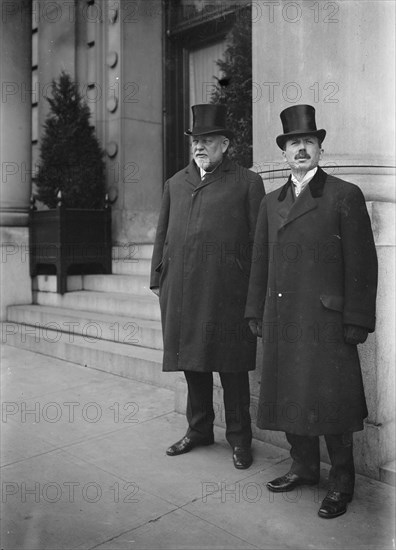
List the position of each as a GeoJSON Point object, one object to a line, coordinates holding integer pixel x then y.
{"type": "Point", "coordinates": [360, 261]}
{"type": "Point", "coordinates": [162, 229]}
{"type": "Point", "coordinates": [259, 269]}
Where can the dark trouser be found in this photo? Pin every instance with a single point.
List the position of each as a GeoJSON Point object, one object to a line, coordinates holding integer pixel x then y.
{"type": "Point", "coordinates": [200, 413]}
{"type": "Point", "coordinates": [306, 459]}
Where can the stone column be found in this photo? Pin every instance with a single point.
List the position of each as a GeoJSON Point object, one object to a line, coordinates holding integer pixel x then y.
{"type": "Point", "coordinates": [16, 74]}
{"type": "Point", "coordinates": [138, 119]}
{"type": "Point", "coordinates": [15, 150]}
{"type": "Point", "coordinates": [375, 447]}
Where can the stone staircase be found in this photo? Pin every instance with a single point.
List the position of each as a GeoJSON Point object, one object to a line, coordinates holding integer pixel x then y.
{"type": "Point", "coordinates": [106, 322]}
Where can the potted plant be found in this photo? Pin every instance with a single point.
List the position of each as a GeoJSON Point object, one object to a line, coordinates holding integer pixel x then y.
{"type": "Point", "coordinates": [74, 234]}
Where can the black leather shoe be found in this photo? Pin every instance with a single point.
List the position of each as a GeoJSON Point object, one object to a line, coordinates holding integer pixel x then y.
{"type": "Point", "coordinates": [288, 482]}
{"type": "Point", "coordinates": [334, 504]}
{"type": "Point", "coordinates": [242, 457]}
{"type": "Point", "coordinates": [185, 445]}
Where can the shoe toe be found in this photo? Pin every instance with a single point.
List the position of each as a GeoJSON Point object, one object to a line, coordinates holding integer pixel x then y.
{"type": "Point", "coordinates": [334, 505]}
{"type": "Point", "coordinates": [288, 482]}
{"type": "Point", "coordinates": [242, 458]}
{"type": "Point", "coordinates": [183, 446]}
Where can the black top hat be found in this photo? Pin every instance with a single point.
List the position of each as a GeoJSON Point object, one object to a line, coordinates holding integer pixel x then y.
{"type": "Point", "coordinates": [299, 120]}
{"type": "Point", "coordinates": [209, 119]}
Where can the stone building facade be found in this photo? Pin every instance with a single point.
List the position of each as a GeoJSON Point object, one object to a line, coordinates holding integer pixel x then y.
{"type": "Point", "coordinates": [140, 63]}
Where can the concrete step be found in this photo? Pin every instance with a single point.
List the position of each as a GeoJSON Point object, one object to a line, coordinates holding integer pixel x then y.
{"type": "Point", "coordinates": [113, 303]}
{"type": "Point", "coordinates": [47, 283]}
{"type": "Point", "coordinates": [129, 361]}
{"type": "Point", "coordinates": [132, 259]}
{"type": "Point", "coordinates": [90, 325]}
{"type": "Point", "coordinates": [132, 251]}
{"type": "Point", "coordinates": [128, 266]}
{"type": "Point", "coordinates": [128, 284]}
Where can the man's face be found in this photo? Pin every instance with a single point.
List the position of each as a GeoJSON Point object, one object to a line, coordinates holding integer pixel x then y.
{"type": "Point", "coordinates": [302, 153]}
{"type": "Point", "coordinates": [208, 150]}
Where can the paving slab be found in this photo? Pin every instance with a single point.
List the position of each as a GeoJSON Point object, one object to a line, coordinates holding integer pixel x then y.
{"type": "Point", "coordinates": [177, 479]}
{"type": "Point", "coordinates": [177, 530]}
{"type": "Point", "coordinates": [72, 404]}
{"type": "Point", "coordinates": [27, 375]}
{"type": "Point", "coordinates": [108, 484]}
{"type": "Point", "coordinates": [18, 442]}
{"type": "Point", "coordinates": [57, 501]}
{"type": "Point", "coordinates": [289, 520]}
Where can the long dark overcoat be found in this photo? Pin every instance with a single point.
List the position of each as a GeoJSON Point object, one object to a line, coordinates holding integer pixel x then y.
{"type": "Point", "coordinates": [201, 262]}
{"type": "Point", "coordinates": [314, 270]}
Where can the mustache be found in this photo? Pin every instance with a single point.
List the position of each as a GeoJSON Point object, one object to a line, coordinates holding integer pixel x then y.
{"type": "Point", "coordinates": [302, 155]}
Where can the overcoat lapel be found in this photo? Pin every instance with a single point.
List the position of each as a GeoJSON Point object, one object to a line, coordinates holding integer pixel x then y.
{"type": "Point", "coordinates": [305, 203]}
{"type": "Point", "coordinates": [192, 174]}
{"type": "Point", "coordinates": [285, 201]}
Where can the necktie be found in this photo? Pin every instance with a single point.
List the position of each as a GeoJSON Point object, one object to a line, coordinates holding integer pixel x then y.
{"type": "Point", "coordinates": [299, 186]}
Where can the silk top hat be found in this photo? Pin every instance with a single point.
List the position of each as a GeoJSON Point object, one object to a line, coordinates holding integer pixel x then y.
{"type": "Point", "coordinates": [209, 119]}
{"type": "Point", "coordinates": [299, 120]}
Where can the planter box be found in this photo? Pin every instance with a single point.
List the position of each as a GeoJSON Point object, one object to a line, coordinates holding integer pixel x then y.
{"type": "Point", "coordinates": [69, 241]}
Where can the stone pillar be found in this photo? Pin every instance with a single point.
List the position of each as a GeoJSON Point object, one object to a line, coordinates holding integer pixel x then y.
{"type": "Point", "coordinates": [15, 150]}
{"type": "Point", "coordinates": [140, 121]}
{"type": "Point", "coordinates": [375, 447]}
{"type": "Point", "coordinates": [15, 143]}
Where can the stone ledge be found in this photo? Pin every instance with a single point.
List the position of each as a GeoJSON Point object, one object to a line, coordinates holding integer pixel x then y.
{"type": "Point", "coordinates": [388, 473]}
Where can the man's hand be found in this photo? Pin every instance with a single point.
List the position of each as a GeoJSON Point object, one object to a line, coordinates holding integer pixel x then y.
{"type": "Point", "coordinates": [355, 335]}
{"type": "Point", "coordinates": [156, 291]}
{"type": "Point", "coordinates": [256, 326]}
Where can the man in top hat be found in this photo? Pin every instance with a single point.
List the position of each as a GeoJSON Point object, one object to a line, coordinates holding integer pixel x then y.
{"type": "Point", "coordinates": [312, 298]}
{"type": "Point", "coordinates": [200, 270]}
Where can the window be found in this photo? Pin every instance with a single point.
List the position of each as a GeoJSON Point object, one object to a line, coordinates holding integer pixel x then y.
{"type": "Point", "coordinates": [196, 32]}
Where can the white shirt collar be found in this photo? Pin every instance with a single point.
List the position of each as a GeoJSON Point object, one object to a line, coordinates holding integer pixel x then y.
{"type": "Point", "coordinates": [299, 186]}
{"type": "Point", "coordinates": [308, 176]}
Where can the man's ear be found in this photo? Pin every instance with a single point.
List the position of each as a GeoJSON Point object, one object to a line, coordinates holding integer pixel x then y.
{"type": "Point", "coordinates": [225, 144]}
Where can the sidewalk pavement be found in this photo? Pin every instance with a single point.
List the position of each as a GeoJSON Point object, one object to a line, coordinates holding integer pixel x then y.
{"type": "Point", "coordinates": [84, 467]}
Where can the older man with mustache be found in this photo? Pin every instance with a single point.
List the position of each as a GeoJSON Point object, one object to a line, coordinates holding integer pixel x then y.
{"type": "Point", "coordinates": [312, 298]}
